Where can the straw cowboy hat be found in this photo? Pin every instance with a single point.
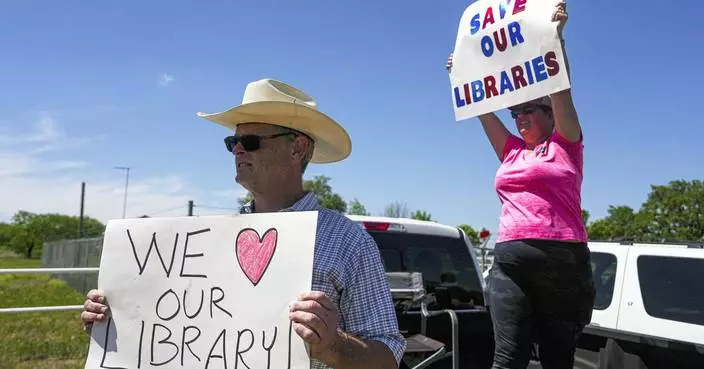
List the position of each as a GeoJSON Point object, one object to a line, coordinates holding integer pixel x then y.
{"type": "Point", "coordinates": [277, 103]}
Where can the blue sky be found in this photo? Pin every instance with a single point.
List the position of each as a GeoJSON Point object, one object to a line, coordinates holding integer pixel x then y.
{"type": "Point", "coordinates": [92, 85]}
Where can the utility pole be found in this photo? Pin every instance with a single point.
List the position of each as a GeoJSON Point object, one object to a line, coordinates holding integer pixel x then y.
{"type": "Point", "coordinates": [127, 182]}
{"type": "Point", "coordinates": [190, 208]}
{"type": "Point", "coordinates": [83, 199]}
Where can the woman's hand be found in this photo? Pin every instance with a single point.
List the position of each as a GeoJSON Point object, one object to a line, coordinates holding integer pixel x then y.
{"type": "Point", "coordinates": [560, 15]}
{"type": "Point", "coordinates": [563, 110]}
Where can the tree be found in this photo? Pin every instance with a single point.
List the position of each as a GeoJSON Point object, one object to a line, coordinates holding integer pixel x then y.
{"type": "Point", "coordinates": [421, 215]}
{"type": "Point", "coordinates": [6, 234]}
{"type": "Point", "coordinates": [396, 210]}
{"type": "Point", "coordinates": [471, 234]}
{"type": "Point", "coordinates": [623, 220]}
{"type": "Point", "coordinates": [619, 224]}
{"type": "Point", "coordinates": [675, 212]}
{"type": "Point", "coordinates": [355, 207]}
{"type": "Point", "coordinates": [25, 235]}
{"type": "Point", "coordinates": [320, 187]}
{"type": "Point", "coordinates": [323, 191]}
{"type": "Point", "coordinates": [672, 212]}
{"type": "Point", "coordinates": [29, 231]}
{"type": "Point", "coordinates": [600, 230]}
{"type": "Point", "coordinates": [585, 217]}
{"type": "Point", "coordinates": [246, 199]}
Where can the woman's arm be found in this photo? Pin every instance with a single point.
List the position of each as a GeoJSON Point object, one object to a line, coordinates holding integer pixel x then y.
{"type": "Point", "coordinates": [493, 127]}
{"type": "Point", "coordinates": [564, 112]}
{"type": "Point", "coordinates": [496, 132]}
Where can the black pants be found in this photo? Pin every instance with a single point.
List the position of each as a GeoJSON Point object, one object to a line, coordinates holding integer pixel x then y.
{"type": "Point", "coordinates": [539, 291]}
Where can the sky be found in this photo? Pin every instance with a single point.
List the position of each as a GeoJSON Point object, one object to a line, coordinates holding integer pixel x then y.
{"type": "Point", "coordinates": [88, 86]}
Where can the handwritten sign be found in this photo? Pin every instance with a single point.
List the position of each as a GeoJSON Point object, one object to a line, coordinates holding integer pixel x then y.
{"type": "Point", "coordinates": [506, 52]}
{"type": "Point", "coordinates": [203, 292]}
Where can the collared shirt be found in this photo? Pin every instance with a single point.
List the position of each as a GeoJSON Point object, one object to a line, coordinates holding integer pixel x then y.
{"type": "Point", "coordinates": [347, 267]}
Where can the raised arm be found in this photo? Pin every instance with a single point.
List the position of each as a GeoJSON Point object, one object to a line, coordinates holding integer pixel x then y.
{"type": "Point", "coordinates": [493, 127]}
{"type": "Point", "coordinates": [564, 112]}
{"type": "Point", "coordinates": [496, 132]}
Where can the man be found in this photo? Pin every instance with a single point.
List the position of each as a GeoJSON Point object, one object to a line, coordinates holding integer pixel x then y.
{"type": "Point", "coordinates": [348, 320]}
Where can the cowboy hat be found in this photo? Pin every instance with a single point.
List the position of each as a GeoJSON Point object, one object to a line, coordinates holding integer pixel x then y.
{"type": "Point", "coordinates": [273, 102]}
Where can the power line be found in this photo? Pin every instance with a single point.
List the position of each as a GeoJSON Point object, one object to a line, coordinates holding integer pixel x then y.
{"type": "Point", "coordinates": [216, 207]}
{"type": "Point", "coordinates": [190, 206]}
{"type": "Point", "coordinates": [167, 210]}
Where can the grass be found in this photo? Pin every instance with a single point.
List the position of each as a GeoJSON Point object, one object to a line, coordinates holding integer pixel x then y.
{"type": "Point", "coordinates": [39, 340]}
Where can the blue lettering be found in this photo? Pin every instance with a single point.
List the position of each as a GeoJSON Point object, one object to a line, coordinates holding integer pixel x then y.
{"type": "Point", "coordinates": [505, 83]}
{"type": "Point", "coordinates": [529, 73]}
{"type": "Point", "coordinates": [502, 7]}
{"type": "Point", "coordinates": [539, 69]}
{"type": "Point", "coordinates": [487, 46]}
{"type": "Point", "coordinates": [459, 101]}
{"type": "Point", "coordinates": [514, 31]}
{"type": "Point", "coordinates": [474, 23]}
{"type": "Point", "coordinates": [477, 91]}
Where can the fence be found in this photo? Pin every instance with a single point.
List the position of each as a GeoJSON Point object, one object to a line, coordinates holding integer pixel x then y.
{"type": "Point", "coordinates": [78, 253]}
{"type": "Point", "coordinates": [74, 261]}
{"type": "Point", "coordinates": [57, 271]}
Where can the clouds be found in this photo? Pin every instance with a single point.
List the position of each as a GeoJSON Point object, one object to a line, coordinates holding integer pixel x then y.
{"type": "Point", "coordinates": [41, 170]}
{"type": "Point", "coordinates": [166, 196]}
{"type": "Point", "coordinates": [45, 130]}
{"type": "Point", "coordinates": [165, 79]}
{"type": "Point", "coordinates": [21, 154]}
{"type": "Point", "coordinates": [24, 164]}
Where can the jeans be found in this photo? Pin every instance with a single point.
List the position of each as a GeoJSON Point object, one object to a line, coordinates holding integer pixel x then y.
{"type": "Point", "coordinates": [539, 291]}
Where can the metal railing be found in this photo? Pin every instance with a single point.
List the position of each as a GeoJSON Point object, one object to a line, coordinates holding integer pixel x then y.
{"type": "Point", "coordinates": [37, 309]}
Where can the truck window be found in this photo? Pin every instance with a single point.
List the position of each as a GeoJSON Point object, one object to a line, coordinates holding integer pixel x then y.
{"type": "Point", "coordinates": [604, 274]}
{"type": "Point", "coordinates": [672, 287]}
{"type": "Point", "coordinates": [445, 262]}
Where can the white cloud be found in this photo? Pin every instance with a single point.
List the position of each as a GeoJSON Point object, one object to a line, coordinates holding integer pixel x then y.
{"type": "Point", "coordinates": [45, 130]}
{"type": "Point", "coordinates": [32, 180]}
{"type": "Point", "coordinates": [46, 135]}
{"type": "Point", "coordinates": [21, 153]}
{"type": "Point", "coordinates": [165, 79]}
{"type": "Point", "coordinates": [27, 164]}
{"type": "Point", "coordinates": [103, 199]}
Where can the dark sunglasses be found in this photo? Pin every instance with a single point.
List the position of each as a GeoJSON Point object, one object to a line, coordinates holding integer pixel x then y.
{"type": "Point", "coordinates": [527, 110]}
{"type": "Point", "coordinates": [250, 142]}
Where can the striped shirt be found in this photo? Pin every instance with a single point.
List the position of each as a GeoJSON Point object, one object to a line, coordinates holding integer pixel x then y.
{"type": "Point", "coordinates": [347, 267]}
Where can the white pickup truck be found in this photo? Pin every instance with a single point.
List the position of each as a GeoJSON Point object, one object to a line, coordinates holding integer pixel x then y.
{"type": "Point", "coordinates": [649, 308]}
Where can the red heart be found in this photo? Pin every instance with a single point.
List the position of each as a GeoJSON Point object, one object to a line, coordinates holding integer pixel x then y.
{"type": "Point", "coordinates": [254, 253]}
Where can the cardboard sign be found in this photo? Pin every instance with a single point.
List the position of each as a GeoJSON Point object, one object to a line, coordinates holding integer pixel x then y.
{"type": "Point", "coordinates": [507, 52]}
{"type": "Point", "coordinates": [203, 292]}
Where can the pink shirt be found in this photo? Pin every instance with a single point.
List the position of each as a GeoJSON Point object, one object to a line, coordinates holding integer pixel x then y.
{"type": "Point", "coordinates": [540, 191]}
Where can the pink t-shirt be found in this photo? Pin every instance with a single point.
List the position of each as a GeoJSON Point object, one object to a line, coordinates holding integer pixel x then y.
{"type": "Point", "coordinates": [540, 191]}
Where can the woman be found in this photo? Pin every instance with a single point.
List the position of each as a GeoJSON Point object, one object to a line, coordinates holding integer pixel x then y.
{"type": "Point", "coordinates": [540, 286]}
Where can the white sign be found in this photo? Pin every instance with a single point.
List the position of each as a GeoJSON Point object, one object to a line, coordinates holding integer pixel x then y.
{"type": "Point", "coordinates": [507, 52]}
{"type": "Point", "coordinates": [204, 292]}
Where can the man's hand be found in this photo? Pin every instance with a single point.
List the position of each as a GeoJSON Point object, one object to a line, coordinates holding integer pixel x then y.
{"type": "Point", "coordinates": [315, 319]}
{"type": "Point", "coordinates": [95, 309]}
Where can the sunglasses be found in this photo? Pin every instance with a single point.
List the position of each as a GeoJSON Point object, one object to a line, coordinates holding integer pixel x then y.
{"type": "Point", "coordinates": [250, 142]}
{"type": "Point", "coordinates": [527, 110]}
